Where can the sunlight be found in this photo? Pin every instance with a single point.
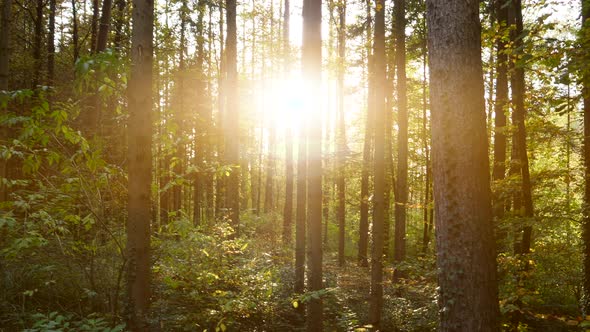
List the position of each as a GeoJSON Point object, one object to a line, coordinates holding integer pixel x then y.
{"type": "Point", "coordinates": [284, 104]}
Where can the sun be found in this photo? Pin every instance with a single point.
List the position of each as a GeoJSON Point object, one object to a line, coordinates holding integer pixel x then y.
{"type": "Point", "coordinates": [285, 105]}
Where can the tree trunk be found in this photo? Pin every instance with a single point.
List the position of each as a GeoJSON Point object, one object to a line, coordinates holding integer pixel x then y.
{"type": "Point", "coordinates": [51, 44]}
{"type": "Point", "coordinates": [103, 31]}
{"type": "Point", "coordinates": [140, 165]}
{"type": "Point", "coordinates": [94, 25]}
{"type": "Point", "coordinates": [585, 42]}
{"type": "Point", "coordinates": [202, 142]}
{"type": "Point", "coordinates": [518, 93]}
{"type": "Point", "coordinates": [75, 37]}
{"type": "Point", "coordinates": [5, 25]}
{"type": "Point", "coordinates": [364, 208]}
{"type": "Point", "coordinates": [401, 199]}
{"type": "Point", "coordinates": [37, 42]}
{"type": "Point", "coordinates": [312, 66]}
{"type": "Point", "coordinates": [341, 135]}
{"type": "Point", "coordinates": [376, 300]}
{"type": "Point", "coordinates": [231, 124]}
{"type": "Point", "coordinates": [288, 210]}
{"type": "Point", "coordinates": [465, 239]}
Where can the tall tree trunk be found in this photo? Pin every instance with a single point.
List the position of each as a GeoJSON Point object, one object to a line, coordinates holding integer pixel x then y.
{"type": "Point", "coordinates": [312, 66]}
{"type": "Point", "coordinates": [5, 25]}
{"type": "Point", "coordinates": [75, 37]}
{"type": "Point", "coordinates": [465, 239]}
{"type": "Point", "coordinates": [585, 60]}
{"type": "Point", "coordinates": [140, 165]}
{"type": "Point", "coordinates": [94, 25]}
{"type": "Point", "coordinates": [38, 38]}
{"type": "Point", "coordinates": [105, 23]}
{"type": "Point", "coordinates": [499, 167]}
{"type": "Point", "coordinates": [518, 93]}
{"type": "Point", "coordinates": [364, 208]}
{"type": "Point", "coordinates": [51, 43]}
{"type": "Point", "coordinates": [202, 124]}
{"type": "Point", "coordinates": [288, 210]}
{"type": "Point", "coordinates": [231, 122]}
{"type": "Point", "coordinates": [341, 134]}
{"type": "Point", "coordinates": [426, 137]}
{"type": "Point", "coordinates": [401, 199]}
{"type": "Point", "coordinates": [301, 211]}
{"type": "Point", "coordinates": [376, 300]}
{"type": "Point", "coordinates": [180, 116]}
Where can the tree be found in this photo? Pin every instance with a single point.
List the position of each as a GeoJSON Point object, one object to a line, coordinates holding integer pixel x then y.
{"type": "Point", "coordinates": [585, 78]}
{"type": "Point", "coordinates": [364, 204]}
{"type": "Point", "coordinates": [312, 66]}
{"type": "Point", "coordinates": [51, 43]}
{"type": "Point", "coordinates": [376, 300]}
{"type": "Point", "coordinates": [499, 168]}
{"type": "Point", "coordinates": [288, 210]}
{"type": "Point", "coordinates": [401, 197]}
{"type": "Point", "coordinates": [464, 230]}
{"type": "Point", "coordinates": [140, 164]}
{"type": "Point", "coordinates": [231, 122]}
{"type": "Point", "coordinates": [5, 21]}
{"type": "Point", "coordinates": [104, 25]}
{"type": "Point", "coordinates": [521, 160]}
{"type": "Point", "coordinates": [341, 134]}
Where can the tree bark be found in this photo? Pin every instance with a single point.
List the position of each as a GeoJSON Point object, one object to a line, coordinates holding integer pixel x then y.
{"type": "Point", "coordinates": [401, 197]}
{"type": "Point", "coordinates": [140, 165]}
{"type": "Point", "coordinates": [75, 37]}
{"type": "Point", "coordinates": [312, 66]}
{"type": "Point", "coordinates": [464, 230]}
{"type": "Point", "coordinates": [51, 44]}
{"type": "Point", "coordinates": [103, 30]}
{"type": "Point", "coordinates": [341, 136]}
{"type": "Point", "coordinates": [38, 37]}
{"type": "Point", "coordinates": [518, 94]}
{"type": "Point", "coordinates": [231, 124]}
{"type": "Point", "coordinates": [585, 42]}
{"type": "Point", "coordinates": [5, 25]}
{"type": "Point", "coordinates": [365, 173]}
{"type": "Point", "coordinates": [288, 210]}
{"type": "Point", "coordinates": [376, 296]}
{"type": "Point", "coordinates": [94, 25]}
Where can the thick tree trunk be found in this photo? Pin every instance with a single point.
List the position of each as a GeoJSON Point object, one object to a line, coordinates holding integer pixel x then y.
{"type": "Point", "coordinates": [364, 204]}
{"type": "Point", "coordinates": [376, 299]}
{"type": "Point", "coordinates": [301, 210]}
{"type": "Point", "coordinates": [312, 66]}
{"type": "Point", "coordinates": [465, 238]}
{"type": "Point", "coordinates": [231, 122]}
{"type": "Point", "coordinates": [140, 165]}
{"type": "Point", "coordinates": [401, 199]}
{"type": "Point", "coordinates": [341, 135]}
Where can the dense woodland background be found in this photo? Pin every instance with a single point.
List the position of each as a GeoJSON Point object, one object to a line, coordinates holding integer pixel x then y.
{"type": "Point", "coordinates": [191, 165]}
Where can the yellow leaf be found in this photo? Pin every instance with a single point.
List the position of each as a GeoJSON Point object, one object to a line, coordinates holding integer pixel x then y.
{"type": "Point", "coordinates": [295, 304]}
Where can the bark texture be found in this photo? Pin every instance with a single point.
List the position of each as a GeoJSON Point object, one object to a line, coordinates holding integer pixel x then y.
{"type": "Point", "coordinates": [140, 164]}
{"type": "Point", "coordinates": [464, 230]}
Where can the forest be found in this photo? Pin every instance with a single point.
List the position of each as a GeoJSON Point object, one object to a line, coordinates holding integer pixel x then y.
{"type": "Point", "coordinates": [294, 165]}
